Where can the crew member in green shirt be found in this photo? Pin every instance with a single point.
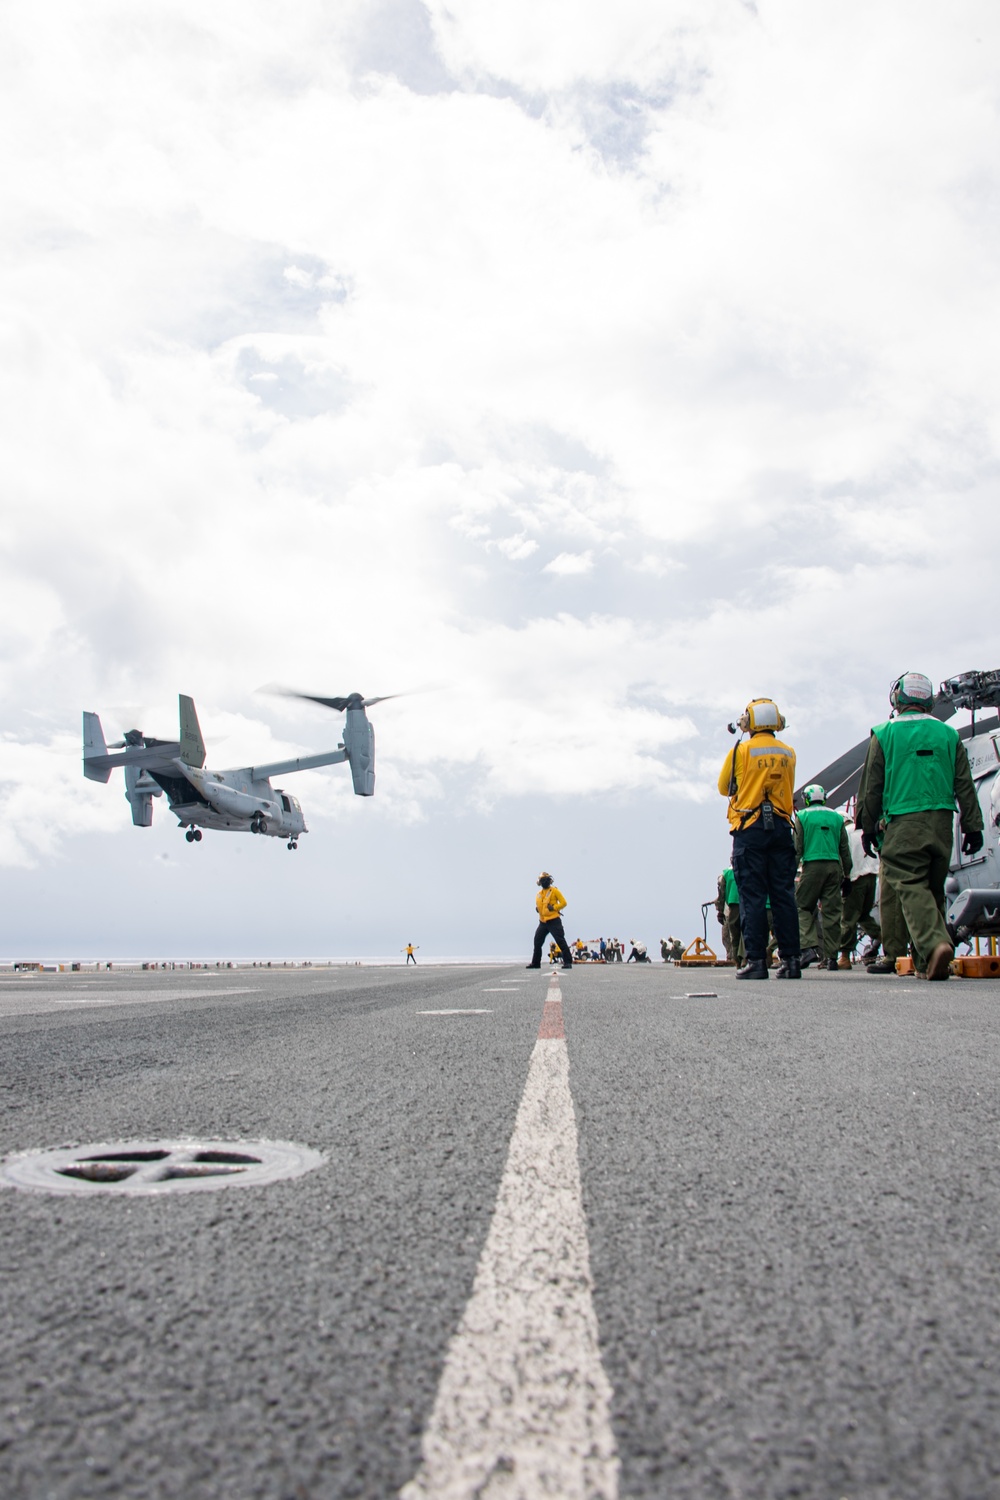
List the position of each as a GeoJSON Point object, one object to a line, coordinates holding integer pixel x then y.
{"type": "Point", "coordinates": [727, 906]}
{"type": "Point", "coordinates": [822, 845]}
{"type": "Point", "coordinates": [915, 771]}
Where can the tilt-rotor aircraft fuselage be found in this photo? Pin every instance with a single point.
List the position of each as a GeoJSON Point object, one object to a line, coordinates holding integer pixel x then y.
{"type": "Point", "coordinates": [241, 800]}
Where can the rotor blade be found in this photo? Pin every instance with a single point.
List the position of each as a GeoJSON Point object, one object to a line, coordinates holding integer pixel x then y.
{"type": "Point", "coordinates": [843, 767]}
{"type": "Point", "coordinates": [339, 704]}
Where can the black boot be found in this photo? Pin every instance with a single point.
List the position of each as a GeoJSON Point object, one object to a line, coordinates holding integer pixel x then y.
{"type": "Point", "coordinates": [809, 957]}
{"type": "Point", "coordinates": [754, 968]}
{"type": "Point", "coordinates": [790, 967]}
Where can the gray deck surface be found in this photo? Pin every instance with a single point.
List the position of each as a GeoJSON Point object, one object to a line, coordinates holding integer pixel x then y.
{"type": "Point", "coordinates": [792, 1195]}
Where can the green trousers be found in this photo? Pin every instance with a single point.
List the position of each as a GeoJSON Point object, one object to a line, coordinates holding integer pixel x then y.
{"type": "Point", "coordinates": [733, 934]}
{"type": "Point", "coordinates": [916, 853]}
{"type": "Point", "coordinates": [819, 885]}
{"type": "Point", "coordinates": [895, 938]}
{"type": "Point", "coordinates": [858, 905]}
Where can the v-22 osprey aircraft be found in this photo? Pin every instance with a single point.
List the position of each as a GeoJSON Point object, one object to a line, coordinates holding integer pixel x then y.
{"type": "Point", "coordinates": [238, 801]}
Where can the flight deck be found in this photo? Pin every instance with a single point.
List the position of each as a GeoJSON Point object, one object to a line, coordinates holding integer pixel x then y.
{"type": "Point", "coordinates": [625, 1231]}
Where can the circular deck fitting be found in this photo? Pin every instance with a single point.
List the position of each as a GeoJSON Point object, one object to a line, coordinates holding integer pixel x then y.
{"type": "Point", "coordinates": [156, 1167]}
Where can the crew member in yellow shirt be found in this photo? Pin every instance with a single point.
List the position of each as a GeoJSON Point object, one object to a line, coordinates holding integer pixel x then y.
{"type": "Point", "coordinates": [758, 777]}
{"type": "Point", "coordinates": [550, 902]}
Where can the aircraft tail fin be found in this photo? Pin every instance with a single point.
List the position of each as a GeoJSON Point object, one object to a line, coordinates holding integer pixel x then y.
{"type": "Point", "coordinates": [95, 750]}
{"type": "Point", "coordinates": [192, 744]}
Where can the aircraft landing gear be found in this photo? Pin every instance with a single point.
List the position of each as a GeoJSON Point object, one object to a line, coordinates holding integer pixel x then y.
{"type": "Point", "coordinates": [258, 824]}
{"type": "Point", "coordinates": [193, 835]}
{"type": "Point", "coordinates": [292, 844]}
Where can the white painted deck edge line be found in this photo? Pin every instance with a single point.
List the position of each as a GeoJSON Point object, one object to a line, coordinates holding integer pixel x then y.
{"type": "Point", "coordinates": [523, 1407]}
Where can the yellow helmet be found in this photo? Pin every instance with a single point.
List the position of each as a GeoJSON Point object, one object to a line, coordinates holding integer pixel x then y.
{"type": "Point", "coordinates": [761, 713]}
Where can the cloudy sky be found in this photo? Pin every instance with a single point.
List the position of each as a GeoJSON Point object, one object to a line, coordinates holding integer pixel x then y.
{"type": "Point", "coordinates": [599, 366]}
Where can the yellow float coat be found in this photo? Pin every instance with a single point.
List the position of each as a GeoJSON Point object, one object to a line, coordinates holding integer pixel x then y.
{"type": "Point", "coordinates": [765, 772]}
{"type": "Point", "coordinates": [550, 903]}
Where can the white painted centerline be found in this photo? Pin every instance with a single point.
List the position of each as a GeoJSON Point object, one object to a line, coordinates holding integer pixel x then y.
{"type": "Point", "coordinates": [523, 1408]}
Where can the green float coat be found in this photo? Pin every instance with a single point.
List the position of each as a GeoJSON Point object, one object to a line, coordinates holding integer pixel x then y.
{"type": "Point", "coordinates": [821, 830]}
{"type": "Point", "coordinates": [732, 890]}
{"type": "Point", "coordinates": [919, 756]}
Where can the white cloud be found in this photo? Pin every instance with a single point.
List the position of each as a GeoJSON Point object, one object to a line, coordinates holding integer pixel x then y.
{"type": "Point", "coordinates": [302, 365]}
{"type": "Point", "coordinates": [569, 563]}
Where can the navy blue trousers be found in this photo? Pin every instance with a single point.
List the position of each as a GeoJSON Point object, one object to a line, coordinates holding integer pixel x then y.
{"type": "Point", "coordinates": [764, 863]}
{"type": "Point", "coordinates": [553, 929]}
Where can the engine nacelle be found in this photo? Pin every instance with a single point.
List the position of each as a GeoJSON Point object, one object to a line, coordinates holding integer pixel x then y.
{"type": "Point", "coordinates": [359, 742]}
{"type": "Point", "coordinates": [140, 789]}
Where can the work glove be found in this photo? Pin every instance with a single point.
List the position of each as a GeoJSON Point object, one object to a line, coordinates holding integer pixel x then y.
{"type": "Point", "coordinates": [845, 886]}
{"type": "Point", "coordinates": [868, 843]}
{"type": "Point", "coordinates": [972, 843]}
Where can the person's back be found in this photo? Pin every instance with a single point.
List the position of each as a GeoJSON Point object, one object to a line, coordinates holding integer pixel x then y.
{"type": "Point", "coordinates": [822, 845]}
{"type": "Point", "coordinates": [915, 771]}
{"type": "Point", "coordinates": [758, 777]}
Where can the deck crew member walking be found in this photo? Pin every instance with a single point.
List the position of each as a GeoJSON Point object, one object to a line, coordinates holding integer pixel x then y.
{"type": "Point", "coordinates": [915, 771]}
{"type": "Point", "coordinates": [550, 902]}
{"type": "Point", "coordinates": [759, 779]}
{"type": "Point", "coordinates": [822, 845]}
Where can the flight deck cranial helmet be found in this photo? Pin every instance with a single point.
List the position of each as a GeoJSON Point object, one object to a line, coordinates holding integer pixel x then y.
{"type": "Point", "coordinates": [813, 793]}
{"type": "Point", "coordinates": [912, 690]}
{"type": "Point", "coordinates": [544, 880]}
{"type": "Point", "coordinates": [761, 713]}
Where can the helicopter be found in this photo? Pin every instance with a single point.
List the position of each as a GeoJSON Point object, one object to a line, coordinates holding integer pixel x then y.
{"type": "Point", "coordinates": [972, 888]}
{"type": "Point", "coordinates": [241, 800]}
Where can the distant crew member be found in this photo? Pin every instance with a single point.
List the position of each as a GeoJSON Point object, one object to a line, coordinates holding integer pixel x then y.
{"type": "Point", "coordinates": [727, 907]}
{"type": "Point", "coordinates": [859, 901]}
{"type": "Point", "coordinates": [916, 769]}
{"type": "Point", "coordinates": [758, 777]}
{"type": "Point", "coordinates": [411, 957]}
{"type": "Point", "coordinates": [550, 902]}
{"type": "Point", "coordinates": [822, 845]}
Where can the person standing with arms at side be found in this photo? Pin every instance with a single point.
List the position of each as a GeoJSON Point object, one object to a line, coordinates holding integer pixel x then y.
{"type": "Point", "coordinates": [859, 901]}
{"type": "Point", "coordinates": [822, 845]}
{"type": "Point", "coordinates": [915, 771]}
{"type": "Point", "coordinates": [550, 903]}
{"type": "Point", "coordinates": [720, 912]}
{"type": "Point", "coordinates": [759, 780]}
{"type": "Point", "coordinates": [895, 938]}
{"type": "Point", "coordinates": [732, 935]}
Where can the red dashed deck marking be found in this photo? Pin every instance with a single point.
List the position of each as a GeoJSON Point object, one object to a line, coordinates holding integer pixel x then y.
{"type": "Point", "coordinates": [550, 1028]}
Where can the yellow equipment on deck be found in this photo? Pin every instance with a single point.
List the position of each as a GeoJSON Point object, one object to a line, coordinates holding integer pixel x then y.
{"type": "Point", "coordinates": [698, 952]}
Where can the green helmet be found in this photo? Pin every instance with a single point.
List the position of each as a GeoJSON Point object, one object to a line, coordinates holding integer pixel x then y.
{"type": "Point", "coordinates": [813, 793]}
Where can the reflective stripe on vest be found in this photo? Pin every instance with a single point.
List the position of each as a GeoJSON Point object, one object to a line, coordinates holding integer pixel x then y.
{"type": "Point", "coordinates": [820, 833]}
{"type": "Point", "coordinates": [919, 764]}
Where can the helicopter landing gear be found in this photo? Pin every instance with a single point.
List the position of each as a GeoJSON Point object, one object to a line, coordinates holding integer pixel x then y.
{"type": "Point", "coordinates": [193, 835]}
{"type": "Point", "coordinates": [292, 844]}
{"type": "Point", "coordinates": [258, 824]}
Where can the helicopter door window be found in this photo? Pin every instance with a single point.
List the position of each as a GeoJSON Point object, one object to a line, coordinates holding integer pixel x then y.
{"type": "Point", "coordinates": [285, 802]}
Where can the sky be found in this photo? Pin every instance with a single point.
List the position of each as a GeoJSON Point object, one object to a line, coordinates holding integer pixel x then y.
{"type": "Point", "coordinates": [591, 369]}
